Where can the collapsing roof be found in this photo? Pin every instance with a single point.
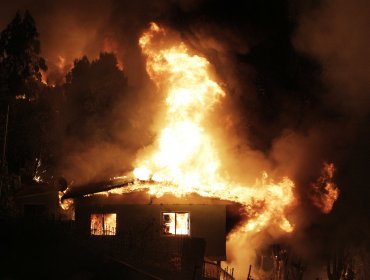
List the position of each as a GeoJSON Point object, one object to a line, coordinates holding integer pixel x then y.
{"type": "Point", "coordinates": [102, 190]}
{"type": "Point", "coordinates": [95, 187]}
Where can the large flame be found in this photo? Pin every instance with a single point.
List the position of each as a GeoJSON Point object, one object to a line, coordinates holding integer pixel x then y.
{"type": "Point", "coordinates": [185, 152]}
{"type": "Point", "coordinates": [185, 158]}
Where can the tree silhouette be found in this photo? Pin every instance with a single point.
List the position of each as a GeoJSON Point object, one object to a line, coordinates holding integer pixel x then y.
{"type": "Point", "coordinates": [93, 90]}
{"type": "Point", "coordinates": [20, 60]}
{"type": "Point", "coordinates": [20, 76]}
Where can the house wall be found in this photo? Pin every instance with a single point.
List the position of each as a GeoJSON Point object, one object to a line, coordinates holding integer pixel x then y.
{"type": "Point", "coordinates": [43, 205]}
{"type": "Point", "coordinates": [143, 222]}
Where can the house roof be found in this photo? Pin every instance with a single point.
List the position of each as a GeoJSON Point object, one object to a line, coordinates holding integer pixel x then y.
{"type": "Point", "coordinates": [96, 187]}
{"type": "Point", "coordinates": [35, 188]}
{"type": "Point", "coordinates": [98, 192]}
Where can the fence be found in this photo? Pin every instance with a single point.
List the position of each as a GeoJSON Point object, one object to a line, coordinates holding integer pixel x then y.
{"type": "Point", "coordinates": [214, 271]}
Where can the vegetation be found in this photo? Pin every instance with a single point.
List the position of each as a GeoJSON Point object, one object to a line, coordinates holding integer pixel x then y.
{"type": "Point", "coordinates": [79, 108]}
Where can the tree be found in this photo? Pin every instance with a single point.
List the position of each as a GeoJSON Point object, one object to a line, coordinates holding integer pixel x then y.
{"type": "Point", "coordinates": [20, 60]}
{"type": "Point", "coordinates": [93, 90]}
{"type": "Point", "coordinates": [337, 264]}
{"type": "Point", "coordinates": [20, 76]}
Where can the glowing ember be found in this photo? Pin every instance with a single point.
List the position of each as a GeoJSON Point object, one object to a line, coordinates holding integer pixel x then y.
{"type": "Point", "coordinates": [37, 177]}
{"type": "Point", "coordinates": [44, 78]}
{"type": "Point", "coordinates": [61, 64]}
{"type": "Point", "coordinates": [324, 190]}
{"type": "Point", "coordinates": [65, 204]}
{"type": "Point", "coordinates": [21, 96]}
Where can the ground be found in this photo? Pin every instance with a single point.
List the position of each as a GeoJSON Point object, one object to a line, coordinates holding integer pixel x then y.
{"type": "Point", "coordinates": [45, 250]}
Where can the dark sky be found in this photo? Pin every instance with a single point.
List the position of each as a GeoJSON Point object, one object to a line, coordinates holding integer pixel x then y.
{"type": "Point", "coordinates": [297, 73]}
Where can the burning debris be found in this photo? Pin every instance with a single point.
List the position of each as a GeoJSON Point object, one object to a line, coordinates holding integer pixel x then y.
{"type": "Point", "coordinates": [37, 177]}
{"type": "Point", "coordinates": [324, 191]}
{"type": "Point", "coordinates": [64, 203]}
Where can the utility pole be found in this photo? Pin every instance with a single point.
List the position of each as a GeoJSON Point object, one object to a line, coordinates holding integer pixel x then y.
{"type": "Point", "coordinates": [3, 161]}
{"type": "Point", "coordinates": [5, 139]}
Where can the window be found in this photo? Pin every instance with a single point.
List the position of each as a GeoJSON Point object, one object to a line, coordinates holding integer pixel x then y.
{"type": "Point", "coordinates": [176, 223]}
{"type": "Point", "coordinates": [103, 224]}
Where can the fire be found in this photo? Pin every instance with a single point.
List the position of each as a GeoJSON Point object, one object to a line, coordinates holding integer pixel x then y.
{"type": "Point", "coordinates": [142, 173]}
{"type": "Point", "coordinates": [44, 77]}
{"type": "Point", "coordinates": [61, 63]}
{"type": "Point", "coordinates": [324, 191]}
{"type": "Point", "coordinates": [37, 177]}
{"type": "Point", "coordinates": [110, 45]}
{"type": "Point", "coordinates": [103, 224]}
{"type": "Point", "coordinates": [185, 158]}
{"type": "Point", "coordinates": [65, 204]}
{"type": "Point", "coordinates": [176, 223]}
{"type": "Point", "coordinates": [182, 223]}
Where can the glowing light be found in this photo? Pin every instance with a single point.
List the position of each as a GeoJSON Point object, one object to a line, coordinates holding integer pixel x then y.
{"type": "Point", "coordinates": [65, 204]}
{"type": "Point", "coordinates": [21, 96]}
{"type": "Point", "coordinates": [142, 173]}
{"type": "Point", "coordinates": [324, 191]}
{"type": "Point", "coordinates": [175, 223]}
{"type": "Point", "coordinates": [184, 157]}
{"type": "Point", "coordinates": [38, 174]}
{"type": "Point", "coordinates": [44, 77]}
{"type": "Point", "coordinates": [103, 224]}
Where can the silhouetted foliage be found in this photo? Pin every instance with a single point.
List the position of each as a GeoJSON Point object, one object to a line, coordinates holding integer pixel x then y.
{"type": "Point", "coordinates": [20, 83]}
{"type": "Point", "coordinates": [20, 60]}
{"type": "Point", "coordinates": [92, 90]}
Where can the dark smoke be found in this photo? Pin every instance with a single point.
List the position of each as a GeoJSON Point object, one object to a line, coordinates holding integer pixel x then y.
{"type": "Point", "coordinates": [296, 74]}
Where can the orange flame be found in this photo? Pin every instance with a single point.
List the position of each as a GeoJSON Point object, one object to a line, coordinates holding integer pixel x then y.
{"type": "Point", "coordinates": [110, 45]}
{"type": "Point", "coordinates": [61, 63]}
{"type": "Point", "coordinates": [324, 191]}
{"type": "Point", "coordinates": [44, 77]}
{"type": "Point", "coordinates": [184, 157]}
{"type": "Point", "coordinates": [65, 204]}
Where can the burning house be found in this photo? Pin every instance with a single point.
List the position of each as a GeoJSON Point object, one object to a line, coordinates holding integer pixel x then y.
{"type": "Point", "coordinates": [184, 235]}
{"type": "Point", "coordinates": [213, 105]}
{"type": "Point", "coordinates": [172, 213]}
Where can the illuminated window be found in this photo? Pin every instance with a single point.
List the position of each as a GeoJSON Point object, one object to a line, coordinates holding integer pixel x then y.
{"type": "Point", "coordinates": [176, 223]}
{"type": "Point", "coordinates": [103, 224]}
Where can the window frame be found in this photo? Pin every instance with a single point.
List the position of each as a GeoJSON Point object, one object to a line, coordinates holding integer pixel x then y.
{"type": "Point", "coordinates": [176, 234]}
{"type": "Point", "coordinates": [103, 214]}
